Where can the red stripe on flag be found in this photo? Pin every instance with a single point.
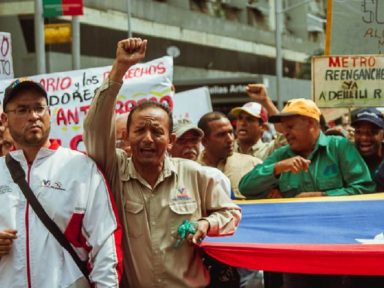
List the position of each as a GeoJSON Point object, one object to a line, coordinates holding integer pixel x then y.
{"type": "Point", "coordinates": [353, 259]}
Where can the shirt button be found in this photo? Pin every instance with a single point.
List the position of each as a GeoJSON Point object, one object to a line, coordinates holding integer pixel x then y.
{"type": "Point", "coordinates": [153, 223]}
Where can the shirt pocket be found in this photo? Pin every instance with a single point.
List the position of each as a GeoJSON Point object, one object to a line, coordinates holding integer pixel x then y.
{"type": "Point", "coordinates": [182, 210]}
{"type": "Point", "coordinates": [183, 207]}
{"type": "Point", "coordinates": [329, 183]}
{"type": "Point", "coordinates": [134, 213]}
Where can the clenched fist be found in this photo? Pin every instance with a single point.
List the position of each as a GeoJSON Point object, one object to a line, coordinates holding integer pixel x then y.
{"type": "Point", "coordinates": [257, 92]}
{"type": "Point", "coordinates": [128, 53]}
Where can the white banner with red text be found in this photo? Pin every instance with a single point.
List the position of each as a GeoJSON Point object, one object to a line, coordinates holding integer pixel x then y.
{"type": "Point", "coordinates": [70, 94]}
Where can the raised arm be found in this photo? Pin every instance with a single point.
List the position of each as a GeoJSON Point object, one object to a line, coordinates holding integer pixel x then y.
{"type": "Point", "coordinates": [99, 124]}
{"type": "Point", "coordinates": [258, 93]}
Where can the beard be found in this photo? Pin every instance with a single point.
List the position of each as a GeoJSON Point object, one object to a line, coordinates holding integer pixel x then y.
{"type": "Point", "coordinates": [34, 140]}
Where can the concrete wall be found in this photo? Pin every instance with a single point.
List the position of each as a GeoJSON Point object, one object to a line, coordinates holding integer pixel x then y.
{"type": "Point", "coordinates": [211, 47]}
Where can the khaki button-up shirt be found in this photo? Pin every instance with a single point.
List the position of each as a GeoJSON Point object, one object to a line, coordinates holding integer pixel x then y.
{"type": "Point", "coordinates": [151, 216]}
{"type": "Point", "coordinates": [262, 149]}
{"type": "Point", "coordinates": [234, 167]}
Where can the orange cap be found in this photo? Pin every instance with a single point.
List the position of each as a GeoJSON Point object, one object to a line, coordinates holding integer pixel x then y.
{"type": "Point", "coordinates": [299, 106]}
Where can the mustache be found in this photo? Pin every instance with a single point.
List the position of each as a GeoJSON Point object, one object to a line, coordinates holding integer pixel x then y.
{"type": "Point", "coordinates": [149, 146]}
{"type": "Point", "coordinates": [186, 151]}
{"type": "Point", "coordinates": [35, 124]}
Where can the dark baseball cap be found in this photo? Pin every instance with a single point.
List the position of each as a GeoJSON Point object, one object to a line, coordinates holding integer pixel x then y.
{"type": "Point", "coordinates": [371, 115]}
{"type": "Point", "coordinates": [20, 85]}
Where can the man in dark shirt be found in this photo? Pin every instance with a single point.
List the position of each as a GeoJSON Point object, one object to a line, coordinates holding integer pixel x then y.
{"type": "Point", "coordinates": [369, 136]}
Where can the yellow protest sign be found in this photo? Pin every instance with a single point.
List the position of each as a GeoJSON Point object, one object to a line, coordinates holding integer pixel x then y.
{"type": "Point", "coordinates": [348, 80]}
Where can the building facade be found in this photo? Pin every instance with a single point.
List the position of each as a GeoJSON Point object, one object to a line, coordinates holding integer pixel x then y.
{"type": "Point", "coordinates": [219, 40]}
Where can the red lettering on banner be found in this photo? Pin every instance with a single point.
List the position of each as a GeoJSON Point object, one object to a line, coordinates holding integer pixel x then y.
{"type": "Point", "coordinates": [160, 68]}
{"type": "Point", "coordinates": [67, 116]}
{"type": "Point", "coordinates": [334, 62]}
{"type": "Point", "coordinates": [57, 140]}
{"type": "Point", "coordinates": [66, 83]}
{"type": "Point", "coordinates": [4, 46]}
{"type": "Point", "coordinates": [125, 107]}
{"type": "Point", "coordinates": [54, 84]}
{"type": "Point", "coordinates": [74, 143]}
{"type": "Point", "coordinates": [167, 101]}
{"type": "Point", "coordinates": [352, 61]}
{"type": "Point", "coordinates": [128, 106]}
{"type": "Point", "coordinates": [151, 70]}
{"type": "Point", "coordinates": [60, 117]}
{"type": "Point", "coordinates": [73, 117]}
{"type": "Point", "coordinates": [119, 108]}
{"type": "Point", "coordinates": [85, 109]}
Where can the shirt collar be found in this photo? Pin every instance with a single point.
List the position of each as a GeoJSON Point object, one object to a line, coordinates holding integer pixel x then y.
{"type": "Point", "coordinates": [255, 147]}
{"type": "Point", "coordinates": [322, 141]}
{"type": "Point", "coordinates": [53, 145]}
{"type": "Point", "coordinates": [220, 165]}
{"type": "Point", "coordinates": [129, 171]}
{"type": "Point", "coordinates": [18, 154]}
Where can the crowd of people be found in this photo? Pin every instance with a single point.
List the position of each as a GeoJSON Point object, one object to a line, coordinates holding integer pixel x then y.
{"type": "Point", "coordinates": [121, 206]}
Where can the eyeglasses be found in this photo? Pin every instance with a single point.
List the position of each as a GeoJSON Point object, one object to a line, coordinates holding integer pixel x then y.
{"type": "Point", "coordinates": [24, 111]}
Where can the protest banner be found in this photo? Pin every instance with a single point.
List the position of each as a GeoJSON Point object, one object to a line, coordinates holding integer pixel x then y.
{"type": "Point", "coordinates": [70, 94]}
{"type": "Point", "coordinates": [192, 104]}
{"type": "Point", "coordinates": [355, 27]}
{"type": "Point", "coordinates": [6, 64]}
{"type": "Point", "coordinates": [348, 80]}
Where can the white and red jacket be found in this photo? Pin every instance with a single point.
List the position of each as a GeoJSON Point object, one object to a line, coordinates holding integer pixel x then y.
{"type": "Point", "coordinates": [75, 195]}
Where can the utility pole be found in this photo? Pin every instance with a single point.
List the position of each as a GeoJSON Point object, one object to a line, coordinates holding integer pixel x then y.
{"type": "Point", "coordinates": [279, 56]}
{"type": "Point", "coordinates": [75, 43]}
{"type": "Point", "coordinates": [39, 37]}
{"type": "Point", "coordinates": [129, 18]}
{"type": "Point", "coordinates": [279, 53]}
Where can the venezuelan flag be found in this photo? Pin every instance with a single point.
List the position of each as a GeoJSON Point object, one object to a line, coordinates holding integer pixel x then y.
{"type": "Point", "coordinates": [325, 235]}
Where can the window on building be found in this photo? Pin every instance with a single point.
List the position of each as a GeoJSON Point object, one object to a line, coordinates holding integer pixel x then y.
{"type": "Point", "coordinates": [199, 6]}
{"type": "Point", "coordinates": [314, 36]}
{"type": "Point", "coordinates": [231, 13]}
{"type": "Point", "coordinates": [258, 13]}
{"type": "Point", "coordinates": [256, 18]}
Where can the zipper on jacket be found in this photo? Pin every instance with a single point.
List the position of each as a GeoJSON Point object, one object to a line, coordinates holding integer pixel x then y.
{"type": "Point", "coordinates": [27, 233]}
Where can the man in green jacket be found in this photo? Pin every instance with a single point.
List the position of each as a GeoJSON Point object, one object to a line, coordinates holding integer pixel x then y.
{"type": "Point", "coordinates": [312, 164]}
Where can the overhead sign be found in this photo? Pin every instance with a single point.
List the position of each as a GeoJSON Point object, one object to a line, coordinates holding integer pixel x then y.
{"type": "Point", "coordinates": [355, 27]}
{"type": "Point", "coordinates": [70, 94]}
{"type": "Point", "coordinates": [348, 80]}
{"type": "Point", "coordinates": [6, 64]}
{"type": "Point", "coordinates": [55, 8]}
{"type": "Point", "coordinates": [58, 33]}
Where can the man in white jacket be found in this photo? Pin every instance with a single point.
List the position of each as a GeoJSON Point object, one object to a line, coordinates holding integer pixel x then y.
{"type": "Point", "coordinates": [71, 190]}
